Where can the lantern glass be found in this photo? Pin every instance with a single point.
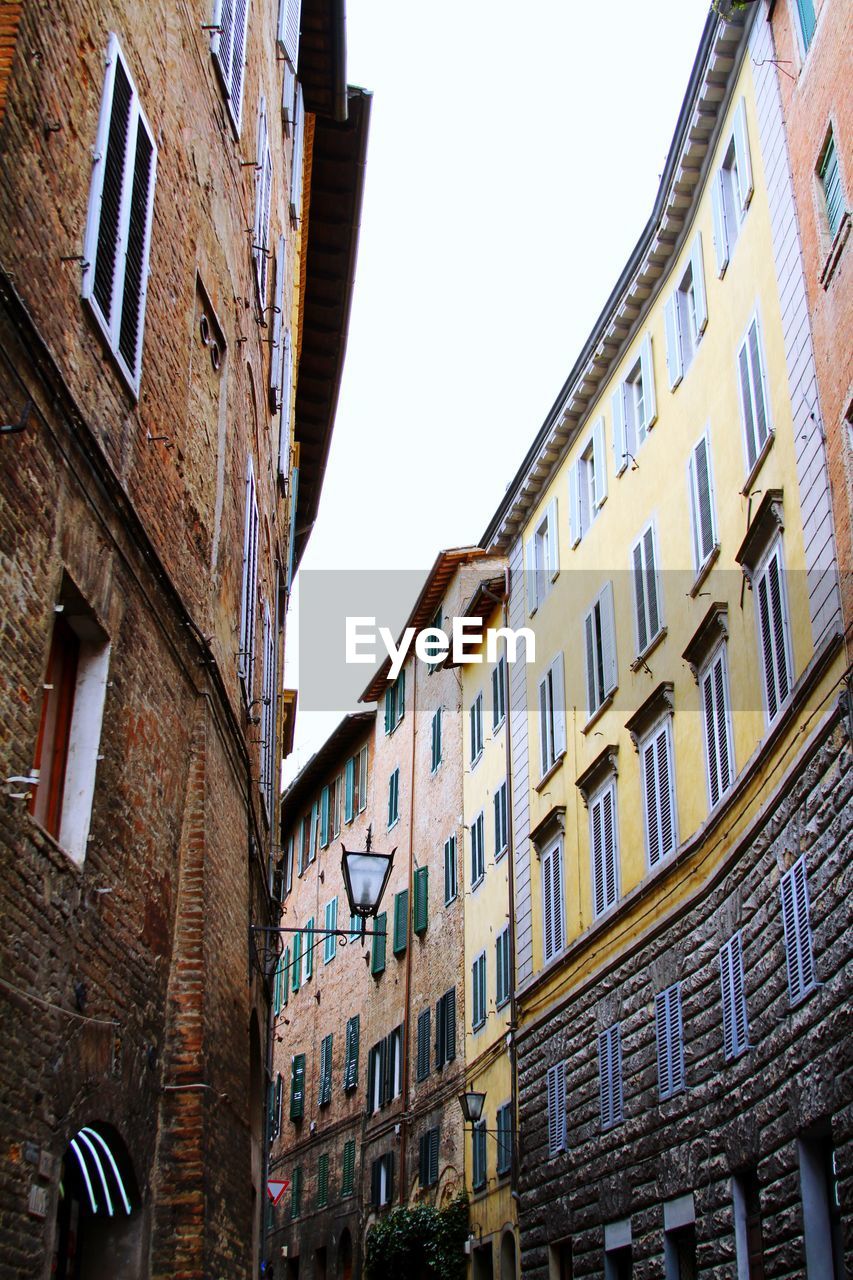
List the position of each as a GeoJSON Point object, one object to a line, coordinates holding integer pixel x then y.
{"type": "Point", "coordinates": [365, 877]}
{"type": "Point", "coordinates": [472, 1104]}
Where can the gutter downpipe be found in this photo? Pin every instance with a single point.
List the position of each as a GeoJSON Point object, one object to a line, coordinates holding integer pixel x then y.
{"type": "Point", "coordinates": [410, 939]}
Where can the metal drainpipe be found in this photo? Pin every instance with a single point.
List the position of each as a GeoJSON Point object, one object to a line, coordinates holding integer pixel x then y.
{"type": "Point", "coordinates": [409, 939]}
{"type": "Point", "coordinates": [510, 866]}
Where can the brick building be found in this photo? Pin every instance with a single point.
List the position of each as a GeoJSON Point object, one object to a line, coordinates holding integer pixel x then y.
{"type": "Point", "coordinates": [179, 201]}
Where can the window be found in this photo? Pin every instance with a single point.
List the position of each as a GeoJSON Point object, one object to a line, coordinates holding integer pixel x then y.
{"type": "Point", "coordinates": [552, 715]}
{"type": "Point", "coordinates": [435, 759]}
{"type": "Point", "coordinates": [394, 798]}
{"type": "Point", "coordinates": [421, 910]}
{"type": "Point", "coordinates": [304, 840]}
{"type": "Point", "coordinates": [401, 921]}
{"type": "Point", "coordinates": [542, 558]}
{"type": "Point", "coordinates": [794, 889]}
{"type": "Point", "coordinates": [249, 590]}
{"type": "Point", "coordinates": [806, 22]}
{"type": "Point", "coordinates": [428, 1158]}
{"type": "Point", "coordinates": [830, 181]}
{"type": "Point", "coordinates": [395, 703]}
{"type": "Point", "coordinates": [297, 157]}
{"type": "Point", "coordinates": [774, 641]}
{"type": "Point", "coordinates": [478, 988]}
{"type": "Point", "coordinates": [735, 1024]}
{"type": "Point", "coordinates": [296, 967]}
{"type": "Point", "coordinates": [670, 1046]}
{"type": "Point", "coordinates": [478, 850]}
{"type": "Point", "coordinates": [600, 651]}
{"type": "Point", "coordinates": [556, 1087]}
{"type": "Point", "coordinates": [323, 1180]}
{"type": "Point", "coordinates": [309, 949]}
{"type": "Point", "coordinates": [503, 976]}
{"type": "Point", "coordinates": [451, 887]}
{"type": "Point", "coordinates": [348, 1168]}
{"type": "Point", "coordinates": [822, 1228]}
{"type": "Point", "coordinates": [277, 358]}
{"type": "Point", "coordinates": [355, 785]}
{"type": "Point", "coordinates": [731, 190]}
{"type": "Point", "coordinates": [679, 1247]}
{"type": "Point", "coordinates": [610, 1075]}
{"type": "Point", "coordinates": [504, 1136]}
{"type": "Point", "coordinates": [268, 778]}
{"type": "Point", "coordinates": [647, 593]}
{"type": "Point", "coordinates": [288, 30]}
{"type": "Point", "coordinates": [377, 955]}
{"type": "Point", "coordinates": [288, 869]}
{"type": "Point", "coordinates": [297, 1086]}
{"type": "Point", "coordinates": [296, 1191]}
{"type": "Point", "coordinates": [475, 718]}
{"type": "Point", "coordinates": [422, 1067]}
{"type": "Point", "coordinates": [228, 46]}
{"type": "Point", "coordinates": [634, 407]}
{"type": "Point", "coordinates": [313, 831]}
{"type": "Point", "coordinates": [479, 1155]}
{"type": "Point", "coordinates": [618, 1250]}
{"type": "Point", "coordinates": [335, 805]}
{"type": "Point", "coordinates": [433, 644]}
{"type": "Point", "coordinates": [277, 1092]}
{"type": "Point", "coordinates": [501, 840]}
{"type": "Point", "coordinates": [263, 199]}
{"type": "Point", "coordinates": [69, 734]}
{"type": "Point", "coordinates": [749, 1244]}
{"type": "Point", "coordinates": [702, 517]}
{"type": "Point", "coordinates": [753, 395]}
{"type": "Point", "coordinates": [604, 848]}
{"type": "Point", "coordinates": [714, 692]}
{"type": "Point", "coordinates": [685, 316]}
{"type": "Point", "coordinates": [658, 783]}
{"type": "Point", "coordinates": [445, 1029]}
{"type": "Point", "coordinates": [330, 942]}
{"type": "Point", "coordinates": [384, 1070]}
{"type": "Point", "coordinates": [553, 915]}
{"type": "Point", "coordinates": [382, 1181]}
{"type": "Point", "coordinates": [118, 224]}
{"type": "Point", "coordinates": [587, 484]}
{"type": "Point", "coordinates": [560, 1261]}
{"type": "Point", "coordinates": [351, 1056]}
{"type": "Point", "coordinates": [325, 817]}
{"type": "Point", "coordinates": [325, 1087]}
{"type": "Point", "coordinates": [499, 693]}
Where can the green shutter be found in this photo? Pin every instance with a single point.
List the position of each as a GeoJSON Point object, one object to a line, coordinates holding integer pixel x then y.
{"type": "Point", "coordinates": [351, 1066]}
{"type": "Point", "coordinates": [349, 790]}
{"type": "Point", "coordinates": [348, 1173]}
{"type": "Point", "coordinates": [297, 961]}
{"type": "Point", "coordinates": [323, 1180]}
{"type": "Point", "coordinates": [326, 1069]}
{"type": "Point", "coordinates": [309, 949]}
{"type": "Point", "coordinates": [285, 975]}
{"type": "Point", "coordinates": [377, 958]}
{"type": "Point", "coordinates": [276, 997]}
{"type": "Point", "coordinates": [401, 695]}
{"type": "Point", "coordinates": [297, 1086]}
{"type": "Point", "coordinates": [389, 708]}
{"type": "Point", "coordinates": [401, 921]}
{"type": "Point", "coordinates": [296, 1192]}
{"type": "Point", "coordinates": [421, 899]}
{"type": "Point", "coordinates": [330, 942]}
{"type": "Point", "coordinates": [324, 817]}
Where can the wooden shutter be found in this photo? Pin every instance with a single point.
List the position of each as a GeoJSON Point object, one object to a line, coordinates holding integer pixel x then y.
{"type": "Point", "coordinates": [670, 1047]}
{"type": "Point", "coordinates": [348, 1170]}
{"type": "Point", "coordinates": [556, 1099]}
{"type": "Point", "coordinates": [297, 1086]}
{"type": "Point", "coordinates": [647, 371]}
{"type": "Point", "coordinates": [735, 1029]}
{"type": "Point", "coordinates": [323, 1180]}
{"type": "Point", "coordinates": [558, 689]}
{"type": "Point", "coordinates": [575, 529]}
{"type": "Point", "coordinates": [799, 956]}
{"type": "Point", "coordinates": [697, 270]}
{"type": "Point", "coordinates": [552, 898]}
{"type": "Point", "coordinates": [602, 825]}
{"type": "Point", "coordinates": [530, 574]}
{"type": "Point", "coordinates": [553, 565]}
{"type": "Point", "coordinates": [376, 1182]}
{"type": "Point", "coordinates": [249, 590]}
{"type": "Point", "coordinates": [674, 361]}
{"type": "Point", "coordinates": [440, 1032]}
{"type": "Point", "coordinates": [423, 1159]}
{"type": "Point", "coordinates": [449, 870]}
{"type": "Point", "coordinates": [610, 1075]}
{"type": "Point", "coordinates": [288, 31]}
{"type": "Point", "coordinates": [325, 1070]}
{"type": "Point", "coordinates": [450, 1025]}
{"type": "Point", "coordinates": [659, 795]}
{"type": "Point", "coordinates": [297, 157]}
{"type": "Point", "coordinates": [330, 948]}
{"type": "Point", "coordinates": [617, 405]}
{"type": "Point", "coordinates": [351, 1057]}
{"type": "Point", "coordinates": [324, 817]}
{"type": "Point", "coordinates": [377, 957]}
{"type": "Point", "coordinates": [401, 921]}
{"type": "Point", "coordinates": [433, 1140]}
{"type": "Point", "coordinates": [721, 239]}
{"type": "Point", "coordinates": [297, 961]}
{"type": "Point", "coordinates": [742, 157]}
{"type": "Point", "coordinates": [286, 400]}
{"type": "Point", "coordinates": [702, 503]}
{"type": "Point", "coordinates": [422, 1067]}
{"type": "Point", "coordinates": [590, 663]}
{"type": "Point", "coordinates": [640, 606]}
{"type": "Point", "coordinates": [288, 99]}
{"type": "Point", "coordinates": [608, 639]}
{"type": "Point", "coordinates": [296, 1192]}
{"type": "Point", "coordinates": [421, 912]}
{"type": "Point", "coordinates": [599, 453]}
{"type": "Point", "coordinates": [715, 710]}
{"type": "Point", "coordinates": [309, 949]}
{"type": "Point", "coordinates": [263, 200]}
{"type": "Point", "coordinates": [349, 810]}
{"type": "Point", "coordinates": [771, 617]}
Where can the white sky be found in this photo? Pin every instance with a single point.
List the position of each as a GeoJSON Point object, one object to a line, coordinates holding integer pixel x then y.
{"type": "Point", "coordinates": [513, 161]}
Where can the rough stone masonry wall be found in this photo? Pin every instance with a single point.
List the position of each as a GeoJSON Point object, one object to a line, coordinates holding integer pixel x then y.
{"type": "Point", "coordinates": [731, 1114]}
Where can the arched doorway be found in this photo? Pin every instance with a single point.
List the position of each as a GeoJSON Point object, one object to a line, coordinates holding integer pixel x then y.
{"type": "Point", "coordinates": [344, 1268]}
{"type": "Point", "coordinates": [98, 1218]}
{"type": "Point", "coordinates": [508, 1271]}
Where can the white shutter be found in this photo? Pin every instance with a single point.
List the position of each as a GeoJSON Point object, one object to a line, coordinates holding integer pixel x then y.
{"type": "Point", "coordinates": [545, 740]}
{"type": "Point", "coordinates": [553, 565]}
{"type": "Point", "coordinates": [599, 463]}
{"type": "Point", "coordinates": [650, 411]}
{"type": "Point", "coordinates": [659, 795]}
{"type": "Point", "coordinates": [773, 638]}
{"type": "Point", "coordinates": [701, 503]}
{"type": "Point", "coordinates": [575, 503]}
{"type": "Point", "coordinates": [297, 157]}
{"type": "Point", "coordinates": [617, 404]}
{"type": "Point", "coordinates": [286, 399]}
{"type": "Point", "coordinates": [238, 60]}
{"type": "Point", "coordinates": [670, 1048]}
{"type": "Point", "coordinates": [609, 845]}
{"type": "Point", "coordinates": [673, 342]}
{"type": "Point", "coordinates": [715, 710]}
{"type": "Point", "coordinates": [610, 1076]}
{"type": "Point", "coordinates": [697, 270]}
{"type": "Point", "coordinates": [558, 690]}
{"type": "Point", "coordinates": [552, 903]}
{"type": "Point", "coordinates": [608, 639]}
{"type": "Point", "coordinates": [288, 30]}
{"type": "Point", "coordinates": [530, 572]}
{"type": "Point", "coordinates": [597, 851]}
{"type": "Point", "coordinates": [721, 239]}
{"type": "Point", "coordinates": [288, 99]}
{"type": "Point", "coordinates": [276, 353]}
{"type": "Point", "coordinates": [742, 157]}
{"type": "Point", "coordinates": [589, 660]}
{"type": "Point", "coordinates": [222, 38]}
{"type": "Point", "coordinates": [556, 1086]}
{"type": "Point", "coordinates": [799, 956]}
{"type": "Point", "coordinates": [248, 591]}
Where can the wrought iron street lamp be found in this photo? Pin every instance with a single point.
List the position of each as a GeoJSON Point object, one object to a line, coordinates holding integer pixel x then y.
{"type": "Point", "coordinates": [472, 1104]}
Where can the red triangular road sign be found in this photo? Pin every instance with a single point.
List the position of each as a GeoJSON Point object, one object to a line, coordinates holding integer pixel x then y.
{"type": "Point", "coordinates": [276, 1188]}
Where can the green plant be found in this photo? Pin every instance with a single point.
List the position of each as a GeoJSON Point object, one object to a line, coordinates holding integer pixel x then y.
{"type": "Point", "coordinates": [419, 1243]}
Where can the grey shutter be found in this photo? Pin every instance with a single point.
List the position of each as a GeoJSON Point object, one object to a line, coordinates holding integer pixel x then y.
{"type": "Point", "coordinates": [704, 514]}
{"type": "Point", "coordinates": [530, 573]}
{"type": "Point", "coordinates": [647, 368]}
{"type": "Point", "coordinates": [670, 1050]}
{"type": "Point", "coordinates": [735, 1031]}
{"type": "Point", "coordinates": [552, 884]}
{"type": "Point", "coordinates": [596, 842]}
{"type": "Point", "coordinates": [608, 845]}
{"type": "Point", "coordinates": [558, 688]}
{"type": "Point", "coordinates": [617, 404]}
{"type": "Point", "coordinates": [575, 529]}
{"type": "Point", "coordinates": [773, 634]}
{"type": "Point", "coordinates": [757, 381]}
{"type": "Point", "coordinates": [697, 268]}
{"type": "Point", "coordinates": [608, 639]}
{"type": "Point", "coordinates": [599, 453]}
{"type": "Point", "coordinates": [799, 956]}
{"type": "Point", "coordinates": [721, 239]}
{"type": "Point", "coordinates": [288, 30]}
{"type": "Point", "coordinates": [556, 1086]}
{"type": "Point", "coordinates": [717, 740]}
{"type": "Point", "coordinates": [651, 582]}
{"type": "Point", "coordinates": [276, 351]}
{"type": "Point", "coordinates": [553, 566]}
{"type": "Point", "coordinates": [589, 659]}
{"type": "Point", "coordinates": [744, 163]}
{"type": "Point", "coordinates": [297, 156]}
{"type": "Point", "coordinates": [674, 363]}
{"type": "Point", "coordinates": [744, 379]}
{"type": "Point", "coordinates": [640, 598]}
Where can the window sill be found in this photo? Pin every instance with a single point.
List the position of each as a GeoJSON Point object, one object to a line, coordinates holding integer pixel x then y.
{"type": "Point", "coordinates": [836, 249]}
{"type": "Point", "coordinates": [392, 825]}
{"type": "Point", "coordinates": [475, 1030]}
{"type": "Point", "coordinates": [500, 853]}
{"type": "Point", "coordinates": [704, 569]}
{"type": "Point", "coordinates": [640, 659]}
{"type": "Point", "coordinates": [552, 769]}
{"type": "Point", "coordinates": [501, 1004]}
{"type": "Point", "coordinates": [759, 462]}
{"type": "Point", "coordinates": [476, 759]}
{"type": "Point", "coordinates": [476, 883]}
{"type": "Point", "coordinates": [599, 712]}
{"type": "Point", "coordinates": [499, 724]}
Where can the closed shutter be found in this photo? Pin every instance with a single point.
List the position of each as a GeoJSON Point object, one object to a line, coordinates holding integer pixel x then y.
{"type": "Point", "coordinates": [276, 997]}
{"type": "Point", "coordinates": [351, 1063]}
{"type": "Point", "coordinates": [376, 1183]}
{"type": "Point", "coordinates": [559, 695]}
{"type": "Point", "coordinates": [288, 30]}
{"type": "Point", "coordinates": [553, 540]}
{"type": "Point", "coordinates": [608, 639]}
{"type": "Point", "coordinates": [599, 453]}
{"type": "Point", "coordinates": [552, 900]}
{"type": "Point", "coordinates": [435, 755]}
{"type": "Point", "coordinates": [268, 715]}
{"type": "Point", "coordinates": [309, 949]}
{"type": "Point", "coordinates": [315, 828]}
{"type": "Point", "coordinates": [385, 1068]}
{"type": "Point", "coordinates": [602, 822]}
{"type": "Point", "coordinates": [393, 797]}
{"type": "Point", "coordinates": [575, 529]}
{"type": "Point", "coordinates": [450, 1025]}
{"type": "Point", "coordinates": [324, 817]}
{"type": "Point", "coordinates": [422, 1067]}
{"type": "Point", "coordinates": [478, 974]}
{"type": "Point", "coordinates": [702, 503]}
{"type": "Point", "coordinates": [249, 590]}
{"type": "Point", "coordinates": [326, 1070]}
{"type": "Point", "coordinates": [229, 49]}
{"type": "Point", "coordinates": [556, 1099]}
{"type": "Point", "coordinates": [297, 1086]}
{"type": "Point", "coordinates": [433, 1142]}
{"type": "Point", "coordinates": [288, 99]}
{"type": "Point", "coordinates": [348, 1170]}
{"type": "Point", "coordinates": [646, 590]}
{"type": "Point", "coordinates": [772, 620]}
{"type": "Point", "coordinates": [530, 574]}
{"type": "Point", "coordinates": [697, 271]}
{"type": "Point", "coordinates": [659, 795]}
{"type": "Point", "coordinates": [752, 393]}
{"type": "Point", "coordinates": [323, 1180]}
{"type": "Point", "coordinates": [617, 405]}
{"type": "Point", "coordinates": [744, 163]}
{"type": "Point", "coordinates": [449, 870]}
{"type": "Point", "coordinates": [715, 710]}
{"type": "Point", "coordinates": [389, 1177]}
{"type": "Point", "coordinates": [421, 899]}
{"type": "Point", "coordinates": [721, 239]}
{"type": "Point", "coordinates": [504, 1139]}
{"type": "Point", "coordinates": [377, 957]}
{"type": "Point", "coordinates": [349, 810]}
{"type": "Point", "coordinates": [502, 968]}
{"type": "Point", "coordinates": [284, 424]}
{"type": "Point", "coordinates": [674, 361]}
{"type": "Point", "coordinates": [279, 1098]}
{"type": "Point", "coordinates": [735, 1028]}
{"type": "Point", "coordinates": [330, 942]}
{"type": "Point", "coordinates": [401, 921]}
{"type": "Point", "coordinates": [670, 1046]}
{"type": "Point", "coordinates": [479, 1152]}
{"type": "Point", "coordinates": [647, 369]}
{"type": "Point", "coordinates": [297, 960]}
{"type": "Point", "coordinates": [610, 1076]}
{"type": "Point", "coordinates": [799, 956]}
{"type": "Point", "coordinates": [297, 157]}
{"type": "Point", "coordinates": [389, 709]}
{"type": "Point", "coordinates": [296, 1192]}
{"type": "Point", "coordinates": [263, 204]}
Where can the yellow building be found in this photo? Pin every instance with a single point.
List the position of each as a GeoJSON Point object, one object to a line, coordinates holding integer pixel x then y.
{"type": "Point", "coordinates": [670, 544]}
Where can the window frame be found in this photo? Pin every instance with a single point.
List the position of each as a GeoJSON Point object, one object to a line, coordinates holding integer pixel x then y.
{"type": "Point", "coordinates": [236, 61]}
{"type": "Point", "coordinates": [643, 574]}
{"type": "Point", "coordinates": [774, 551]}
{"type": "Point", "coordinates": [608, 897]}
{"type": "Point", "coordinates": [450, 863]}
{"type": "Point", "coordinates": [503, 965]}
{"type": "Point", "coordinates": [479, 994]}
{"type": "Point", "coordinates": [478, 849]}
{"type": "Point", "coordinates": [501, 815]}
{"type": "Point", "coordinates": [475, 726]}
{"type": "Point", "coordinates": [662, 725]}
{"type": "Point", "coordinates": [498, 693]}
{"type": "Point", "coordinates": [553, 855]}
{"type": "Point", "coordinates": [552, 715]}
{"type": "Point", "coordinates": [724, 735]}
{"type": "Point", "coordinates": [600, 657]}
